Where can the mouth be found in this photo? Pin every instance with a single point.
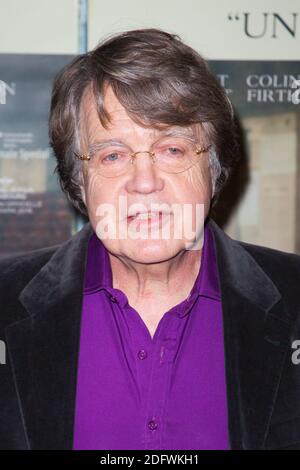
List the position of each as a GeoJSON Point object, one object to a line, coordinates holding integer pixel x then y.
{"type": "Point", "coordinates": [149, 218]}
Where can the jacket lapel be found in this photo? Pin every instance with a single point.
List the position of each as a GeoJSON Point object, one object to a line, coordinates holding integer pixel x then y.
{"type": "Point", "coordinates": [43, 347]}
{"type": "Point", "coordinates": [256, 334]}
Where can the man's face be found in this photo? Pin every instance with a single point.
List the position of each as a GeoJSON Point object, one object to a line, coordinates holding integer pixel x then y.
{"type": "Point", "coordinates": [175, 199]}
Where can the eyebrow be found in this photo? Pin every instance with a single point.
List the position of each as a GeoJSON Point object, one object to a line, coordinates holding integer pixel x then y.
{"type": "Point", "coordinates": [173, 132]}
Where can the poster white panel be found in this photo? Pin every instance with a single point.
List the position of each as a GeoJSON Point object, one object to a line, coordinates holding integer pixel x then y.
{"type": "Point", "coordinates": [39, 26]}
{"type": "Point", "coordinates": [227, 29]}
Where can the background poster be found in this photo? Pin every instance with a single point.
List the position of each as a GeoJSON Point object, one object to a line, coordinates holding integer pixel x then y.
{"type": "Point", "coordinates": [265, 95]}
{"type": "Point", "coordinates": [33, 210]}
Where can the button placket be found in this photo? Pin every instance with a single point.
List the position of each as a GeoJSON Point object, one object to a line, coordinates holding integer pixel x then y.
{"type": "Point", "coordinates": [163, 356]}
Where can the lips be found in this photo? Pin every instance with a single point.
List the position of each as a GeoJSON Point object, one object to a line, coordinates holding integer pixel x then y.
{"type": "Point", "coordinates": [145, 215]}
{"type": "Point", "coordinates": [149, 219]}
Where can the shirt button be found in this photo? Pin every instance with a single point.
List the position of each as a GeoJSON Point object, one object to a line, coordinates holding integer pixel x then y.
{"type": "Point", "coordinates": [142, 354]}
{"type": "Point", "coordinates": [152, 424]}
{"type": "Point", "coordinates": [113, 299]}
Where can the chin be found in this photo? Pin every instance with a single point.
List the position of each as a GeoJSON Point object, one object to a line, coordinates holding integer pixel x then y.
{"type": "Point", "coordinates": [152, 251]}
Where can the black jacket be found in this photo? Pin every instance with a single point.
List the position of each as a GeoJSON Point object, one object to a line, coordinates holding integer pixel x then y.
{"type": "Point", "coordinates": [40, 310]}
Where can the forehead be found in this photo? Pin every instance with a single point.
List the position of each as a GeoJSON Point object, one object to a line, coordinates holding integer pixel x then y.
{"type": "Point", "coordinates": [121, 121]}
{"type": "Point", "coordinates": [113, 105]}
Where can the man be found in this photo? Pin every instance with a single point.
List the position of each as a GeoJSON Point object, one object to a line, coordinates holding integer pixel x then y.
{"type": "Point", "coordinates": [128, 335]}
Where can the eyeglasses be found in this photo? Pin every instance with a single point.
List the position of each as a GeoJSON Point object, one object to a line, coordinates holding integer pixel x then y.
{"type": "Point", "coordinates": [173, 155]}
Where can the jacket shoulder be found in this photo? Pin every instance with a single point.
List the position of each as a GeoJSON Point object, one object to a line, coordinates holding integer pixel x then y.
{"type": "Point", "coordinates": [282, 267]}
{"type": "Point", "coordinates": [25, 262]}
{"type": "Point", "coordinates": [17, 270]}
{"type": "Point", "coordinates": [276, 258]}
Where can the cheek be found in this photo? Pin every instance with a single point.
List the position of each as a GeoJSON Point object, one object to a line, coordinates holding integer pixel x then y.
{"type": "Point", "coordinates": [102, 205]}
{"type": "Point", "coordinates": [96, 193]}
{"type": "Point", "coordinates": [197, 185]}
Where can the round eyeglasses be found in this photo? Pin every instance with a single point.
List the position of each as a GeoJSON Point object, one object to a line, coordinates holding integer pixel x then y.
{"type": "Point", "coordinates": [171, 156]}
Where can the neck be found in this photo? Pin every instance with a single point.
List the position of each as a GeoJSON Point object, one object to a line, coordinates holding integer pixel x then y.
{"type": "Point", "coordinates": [153, 281]}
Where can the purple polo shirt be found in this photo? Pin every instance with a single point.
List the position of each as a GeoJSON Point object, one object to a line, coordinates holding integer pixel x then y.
{"type": "Point", "coordinates": [138, 392]}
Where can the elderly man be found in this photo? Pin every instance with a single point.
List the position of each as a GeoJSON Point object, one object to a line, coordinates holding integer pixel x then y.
{"type": "Point", "coordinates": [150, 328]}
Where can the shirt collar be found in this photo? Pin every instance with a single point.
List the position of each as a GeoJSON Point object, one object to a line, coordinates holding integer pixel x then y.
{"type": "Point", "coordinates": [207, 282]}
{"type": "Point", "coordinates": [98, 274]}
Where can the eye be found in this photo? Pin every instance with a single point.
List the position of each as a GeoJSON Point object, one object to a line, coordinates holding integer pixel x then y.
{"type": "Point", "coordinates": [111, 157]}
{"type": "Point", "coordinates": [174, 150]}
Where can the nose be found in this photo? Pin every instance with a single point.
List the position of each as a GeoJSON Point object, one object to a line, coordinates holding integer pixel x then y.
{"type": "Point", "coordinates": [144, 176]}
{"type": "Point", "coordinates": [151, 154]}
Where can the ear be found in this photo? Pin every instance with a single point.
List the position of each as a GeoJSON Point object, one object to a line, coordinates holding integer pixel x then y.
{"type": "Point", "coordinates": [82, 187]}
{"type": "Point", "coordinates": [212, 184]}
{"type": "Point", "coordinates": [213, 190]}
{"type": "Point", "coordinates": [83, 194]}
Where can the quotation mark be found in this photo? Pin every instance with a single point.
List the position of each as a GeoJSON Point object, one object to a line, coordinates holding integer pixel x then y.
{"type": "Point", "coordinates": [233, 17]}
